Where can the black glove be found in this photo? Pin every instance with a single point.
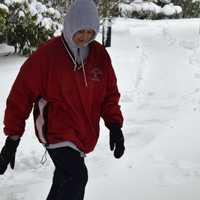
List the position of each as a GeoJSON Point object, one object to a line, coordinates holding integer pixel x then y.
{"type": "Point", "coordinates": [7, 155]}
{"type": "Point", "coordinates": [116, 140]}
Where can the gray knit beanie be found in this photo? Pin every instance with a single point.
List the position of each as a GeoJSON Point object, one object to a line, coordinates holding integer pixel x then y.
{"type": "Point", "coordinates": [82, 14]}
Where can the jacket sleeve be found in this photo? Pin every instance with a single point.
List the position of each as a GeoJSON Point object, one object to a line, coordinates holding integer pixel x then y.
{"type": "Point", "coordinates": [111, 112]}
{"type": "Point", "coordinates": [24, 92]}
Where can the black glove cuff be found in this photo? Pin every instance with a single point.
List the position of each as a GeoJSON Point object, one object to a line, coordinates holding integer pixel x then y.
{"type": "Point", "coordinates": [12, 144]}
{"type": "Point", "coordinates": [116, 132]}
{"type": "Point", "coordinates": [114, 126]}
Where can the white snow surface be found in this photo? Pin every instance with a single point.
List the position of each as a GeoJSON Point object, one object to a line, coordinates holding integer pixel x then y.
{"type": "Point", "coordinates": [158, 68]}
{"type": "Point", "coordinates": [6, 49]}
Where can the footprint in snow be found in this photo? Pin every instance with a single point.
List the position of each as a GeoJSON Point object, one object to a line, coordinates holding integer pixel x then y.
{"type": "Point", "coordinates": [175, 172]}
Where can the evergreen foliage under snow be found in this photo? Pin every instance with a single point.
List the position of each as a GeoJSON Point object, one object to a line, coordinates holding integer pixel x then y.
{"type": "Point", "coordinates": [26, 24]}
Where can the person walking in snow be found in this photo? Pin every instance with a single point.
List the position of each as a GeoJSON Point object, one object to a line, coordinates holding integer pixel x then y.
{"type": "Point", "coordinates": [70, 83]}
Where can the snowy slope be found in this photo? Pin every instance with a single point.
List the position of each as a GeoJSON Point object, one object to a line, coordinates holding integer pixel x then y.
{"type": "Point", "coordinates": [158, 68]}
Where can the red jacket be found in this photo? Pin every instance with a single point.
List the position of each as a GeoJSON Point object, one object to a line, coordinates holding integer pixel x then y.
{"type": "Point", "coordinates": [64, 108]}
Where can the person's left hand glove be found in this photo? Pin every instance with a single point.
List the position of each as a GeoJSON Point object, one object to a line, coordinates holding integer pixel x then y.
{"type": "Point", "coordinates": [116, 140]}
{"type": "Point", "coordinates": [7, 155]}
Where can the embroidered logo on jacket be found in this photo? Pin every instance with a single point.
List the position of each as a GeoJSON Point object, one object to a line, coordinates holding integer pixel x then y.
{"type": "Point", "coordinates": [96, 74]}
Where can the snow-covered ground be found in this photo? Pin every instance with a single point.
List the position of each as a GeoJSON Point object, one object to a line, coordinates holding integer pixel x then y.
{"type": "Point", "coordinates": [158, 68]}
{"type": "Point", "coordinates": [5, 49]}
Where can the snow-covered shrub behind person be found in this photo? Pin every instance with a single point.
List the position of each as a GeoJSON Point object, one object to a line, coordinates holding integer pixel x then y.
{"type": "Point", "coordinates": [30, 23]}
{"type": "Point", "coordinates": [139, 9]}
{"type": "Point", "coordinates": [3, 18]}
{"type": "Point", "coordinates": [60, 5]}
{"type": "Point", "coordinates": [150, 9]}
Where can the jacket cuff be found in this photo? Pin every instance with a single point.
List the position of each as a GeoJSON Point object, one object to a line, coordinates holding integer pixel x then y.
{"type": "Point", "coordinates": [113, 125]}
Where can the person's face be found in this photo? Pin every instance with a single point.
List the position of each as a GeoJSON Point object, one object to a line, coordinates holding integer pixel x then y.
{"type": "Point", "coordinates": [83, 36]}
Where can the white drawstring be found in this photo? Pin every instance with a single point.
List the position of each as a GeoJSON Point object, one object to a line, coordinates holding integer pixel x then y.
{"type": "Point", "coordinates": [83, 68]}
{"type": "Point", "coordinates": [84, 74]}
{"type": "Point", "coordinates": [75, 63]}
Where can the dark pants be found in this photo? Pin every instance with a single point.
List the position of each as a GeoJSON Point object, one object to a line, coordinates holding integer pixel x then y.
{"type": "Point", "coordinates": [70, 176]}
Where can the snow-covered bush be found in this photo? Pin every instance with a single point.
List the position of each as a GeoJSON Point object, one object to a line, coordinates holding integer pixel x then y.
{"type": "Point", "coordinates": [150, 10]}
{"type": "Point", "coordinates": [60, 5]}
{"type": "Point", "coordinates": [3, 18]}
{"type": "Point", "coordinates": [30, 23]}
